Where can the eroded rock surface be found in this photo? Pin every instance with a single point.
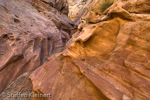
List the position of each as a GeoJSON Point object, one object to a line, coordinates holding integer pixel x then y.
{"type": "Point", "coordinates": [21, 85]}
{"type": "Point", "coordinates": [76, 7]}
{"type": "Point", "coordinates": [106, 60]}
{"type": "Point", "coordinates": [30, 30]}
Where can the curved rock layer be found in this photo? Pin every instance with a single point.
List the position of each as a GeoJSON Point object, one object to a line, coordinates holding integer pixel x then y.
{"type": "Point", "coordinates": [107, 60]}
{"type": "Point", "coordinates": [30, 31]}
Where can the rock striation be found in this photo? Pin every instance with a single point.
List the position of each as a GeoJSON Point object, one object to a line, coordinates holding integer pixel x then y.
{"type": "Point", "coordinates": [30, 31]}
{"type": "Point", "coordinates": [105, 60]}
{"type": "Point", "coordinates": [21, 85]}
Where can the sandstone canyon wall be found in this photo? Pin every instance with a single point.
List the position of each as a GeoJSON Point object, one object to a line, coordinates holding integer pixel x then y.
{"type": "Point", "coordinates": [104, 60]}
{"type": "Point", "coordinates": [30, 31]}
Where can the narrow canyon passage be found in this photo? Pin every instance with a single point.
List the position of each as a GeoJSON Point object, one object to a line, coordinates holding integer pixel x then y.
{"type": "Point", "coordinates": [74, 50]}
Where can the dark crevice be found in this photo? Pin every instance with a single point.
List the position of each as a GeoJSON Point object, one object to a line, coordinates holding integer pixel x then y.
{"type": "Point", "coordinates": [16, 20]}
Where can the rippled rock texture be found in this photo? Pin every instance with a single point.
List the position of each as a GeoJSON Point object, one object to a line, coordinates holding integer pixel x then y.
{"type": "Point", "coordinates": [30, 31]}
{"type": "Point", "coordinates": [107, 60]}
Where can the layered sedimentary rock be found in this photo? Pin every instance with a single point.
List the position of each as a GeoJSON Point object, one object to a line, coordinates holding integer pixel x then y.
{"type": "Point", "coordinates": [106, 60]}
{"type": "Point", "coordinates": [30, 31]}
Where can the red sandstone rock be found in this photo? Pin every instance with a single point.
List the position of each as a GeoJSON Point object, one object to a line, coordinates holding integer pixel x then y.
{"type": "Point", "coordinates": [108, 60]}
{"type": "Point", "coordinates": [21, 85]}
{"type": "Point", "coordinates": [29, 31]}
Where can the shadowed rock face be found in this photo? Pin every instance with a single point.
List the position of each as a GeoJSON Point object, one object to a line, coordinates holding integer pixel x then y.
{"type": "Point", "coordinates": [107, 60]}
{"type": "Point", "coordinates": [30, 30]}
{"type": "Point", "coordinates": [60, 5]}
{"type": "Point", "coordinates": [21, 85]}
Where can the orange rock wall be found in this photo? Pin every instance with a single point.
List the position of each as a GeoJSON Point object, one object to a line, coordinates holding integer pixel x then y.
{"type": "Point", "coordinates": [106, 60]}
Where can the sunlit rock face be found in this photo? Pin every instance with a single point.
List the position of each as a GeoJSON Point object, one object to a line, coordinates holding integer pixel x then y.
{"type": "Point", "coordinates": [105, 60]}
{"type": "Point", "coordinates": [88, 11]}
{"type": "Point", "coordinates": [30, 31]}
{"type": "Point", "coordinates": [75, 7]}
{"type": "Point", "coordinates": [93, 11]}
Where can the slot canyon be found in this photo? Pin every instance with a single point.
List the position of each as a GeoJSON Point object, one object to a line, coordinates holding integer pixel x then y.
{"type": "Point", "coordinates": [74, 50]}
